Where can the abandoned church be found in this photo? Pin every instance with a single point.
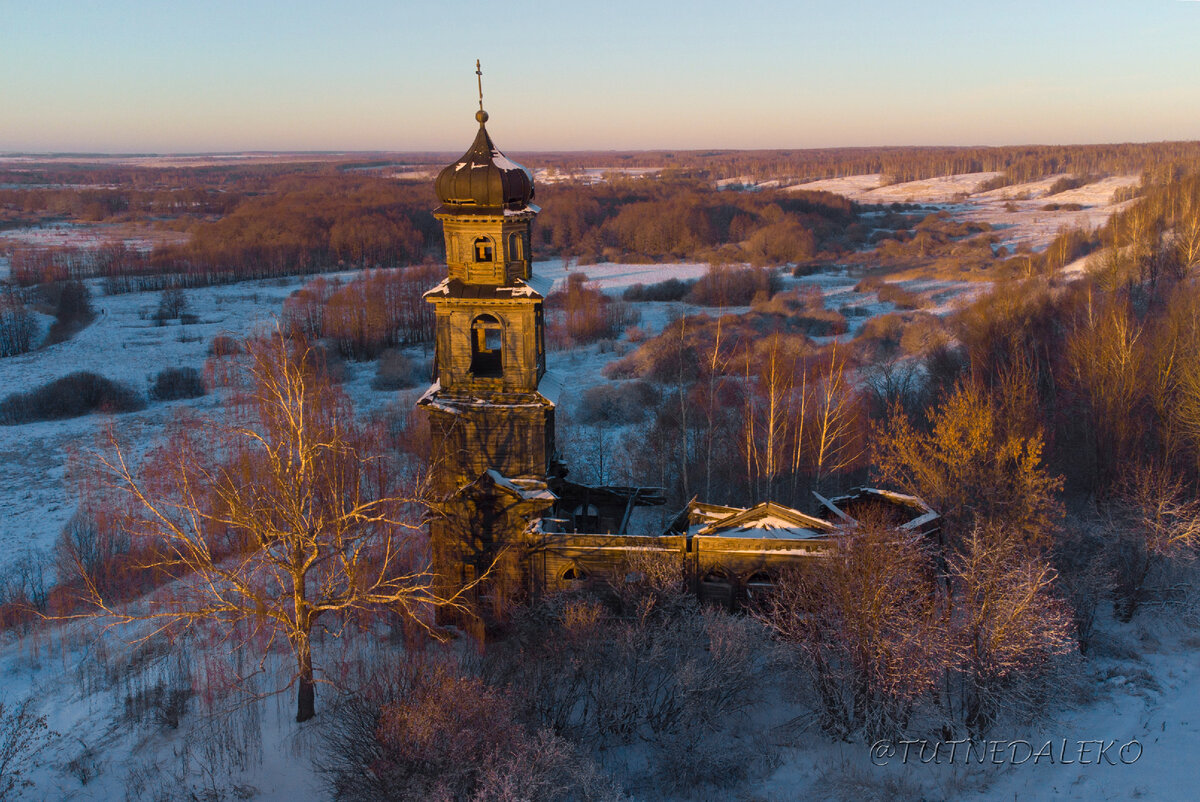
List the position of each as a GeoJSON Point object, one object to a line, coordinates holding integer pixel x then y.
{"type": "Point", "coordinates": [504, 500]}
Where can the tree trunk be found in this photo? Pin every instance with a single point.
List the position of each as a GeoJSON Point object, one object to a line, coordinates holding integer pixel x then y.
{"type": "Point", "coordinates": [305, 692]}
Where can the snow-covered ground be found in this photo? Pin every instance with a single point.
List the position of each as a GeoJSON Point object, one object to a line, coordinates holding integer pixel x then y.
{"type": "Point", "coordinates": [1017, 212]}
{"type": "Point", "coordinates": [1140, 688]}
{"type": "Point", "coordinates": [141, 237]}
{"type": "Point", "coordinates": [125, 344]}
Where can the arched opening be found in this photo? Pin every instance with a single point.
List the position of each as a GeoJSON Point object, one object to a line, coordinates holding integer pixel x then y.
{"type": "Point", "coordinates": [759, 586]}
{"type": "Point", "coordinates": [514, 246]}
{"type": "Point", "coordinates": [587, 518]}
{"type": "Point", "coordinates": [573, 574]}
{"type": "Point", "coordinates": [716, 586]}
{"type": "Point", "coordinates": [487, 347]}
{"type": "Point", "coordinates": [483, 249]}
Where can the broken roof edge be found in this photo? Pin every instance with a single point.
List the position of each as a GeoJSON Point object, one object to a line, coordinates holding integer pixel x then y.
{"type": "Point", "coordinates": [792, 518]}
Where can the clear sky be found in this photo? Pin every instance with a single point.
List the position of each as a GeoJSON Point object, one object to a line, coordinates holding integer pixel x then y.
{"type": "Point", "coordinates": [187, 76]}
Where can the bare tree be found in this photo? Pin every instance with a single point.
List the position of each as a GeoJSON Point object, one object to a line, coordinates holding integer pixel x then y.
{"type": "Point", "coordinates": [868, 623]}
{"type": "Point", "coordinates": [17, 326]}
{"type": "Point", "coordinates": [1155, 520]}
{"type": "Point", "coordinates": [23, 734]}
{"type": "Point", "coordinates": [1008, 625]}
{"type": "Point", "coordinates": [836, 442]}
{"type": "Point", "coordinates": [974, 465]}
{"type": "Point", "coordinates": [276, 521]}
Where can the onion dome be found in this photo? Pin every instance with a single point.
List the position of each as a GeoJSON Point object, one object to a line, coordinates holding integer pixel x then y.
{"type": "Point", "coordinates": [484, 179]}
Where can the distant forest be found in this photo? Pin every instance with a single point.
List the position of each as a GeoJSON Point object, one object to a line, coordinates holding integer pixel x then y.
{"type": "Point", "coordinates": [268, 218]}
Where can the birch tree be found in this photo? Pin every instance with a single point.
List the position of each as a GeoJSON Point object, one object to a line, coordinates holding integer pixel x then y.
{"type": "Point", "coordinates": [280, 520]}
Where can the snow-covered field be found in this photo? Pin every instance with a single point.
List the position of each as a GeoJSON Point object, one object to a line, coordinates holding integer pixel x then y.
{"type": "Point", "coordinates": [125, 344]}
{"type": "Point", "coordinates": [94, 235]}
{"type": "Point", "coordinates": [1144, 674]}
{"type": "Point", "coordinates": [1017, 212]}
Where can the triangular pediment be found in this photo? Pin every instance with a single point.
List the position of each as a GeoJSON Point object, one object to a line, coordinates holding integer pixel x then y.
{"type": "Point", "coordinates": [767, 520]}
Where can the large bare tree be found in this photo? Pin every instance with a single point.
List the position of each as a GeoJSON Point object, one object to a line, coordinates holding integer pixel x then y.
{"type": "Point", "coordinates": [275, 520]}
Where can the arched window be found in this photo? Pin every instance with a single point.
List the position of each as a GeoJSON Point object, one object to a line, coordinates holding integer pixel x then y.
{"type": "Point", "coordinates": [759, 586]}
{"type": "Point", "coordinates": [487, 347]}
{"type": "Point", "coordinates": [514, 246]}
{"type": "Point", "coordinates": [483, 249]}
{"type": "Point", "coordinates": [716, 576]}
{"type": "Point", "coordinates": [587, 518]}
{"type": "Point", "coordinates": [573, 574]}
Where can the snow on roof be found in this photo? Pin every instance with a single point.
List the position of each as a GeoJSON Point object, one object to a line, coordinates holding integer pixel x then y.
{"type": "Point", "coordinates": [527, 489]}
{"type": "Point", "coordinates": [442, 288]}
{"type": "Point", "coordinates": [522, 289]}
{"type": "Point", "coordinates": [551, 387]}
{"type": "Point", "coordinates": [767, 520]}
{"type": "Point", "coordinates": [434, 389]}
{"type": "Point", "coordinates": [540, 283]}
{"type": "Point", "coordinates": [892, 495]}
{"type": "Point", "coordinates": [505, 163]}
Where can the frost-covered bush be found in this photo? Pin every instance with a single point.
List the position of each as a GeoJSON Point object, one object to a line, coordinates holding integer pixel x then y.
{"type": "Point", "coordinates": [670, 290]}
{"type": "Point", "coordinates": [625, 402]}
{"type": "Point", "coordinates": [69, 397]}
{"type": "Point", "coordinates": [171, 384]}
{"type": "Point", "coordinates": [642, 662]}
{"type": "Point", "coordinates": [23, 733]}
{"type": "Point", "coordinates": [396, 371]}
{"type": "Point", "coordinates": [426, 731]}
{"type": "Point", "coordinates": [17, 326]}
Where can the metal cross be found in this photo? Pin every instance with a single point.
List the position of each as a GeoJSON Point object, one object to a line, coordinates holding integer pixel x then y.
{"type": "Point", "coordinates": [479, 73]}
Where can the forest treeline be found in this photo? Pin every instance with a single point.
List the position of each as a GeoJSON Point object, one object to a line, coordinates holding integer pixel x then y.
{"type": "Point", "coordinates": [314, 224]}
{"type": "Point", "coordinates": [1018, 163]}
{"type": "Point", "coordinates": [642, 220]}
{"type": "Point", "coordinates": [265, 219]}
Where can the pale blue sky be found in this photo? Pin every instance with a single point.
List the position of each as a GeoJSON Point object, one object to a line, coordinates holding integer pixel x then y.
{"type": "Point", "coordinates": [136, 75]}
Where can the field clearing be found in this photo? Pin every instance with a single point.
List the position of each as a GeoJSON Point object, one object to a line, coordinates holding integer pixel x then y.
{"type": "Point", "coordinates": [1017, 213]}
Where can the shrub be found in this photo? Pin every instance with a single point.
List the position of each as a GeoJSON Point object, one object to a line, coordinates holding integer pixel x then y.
{"type": "Point", "coordinates": [72, 309]}
{"type": "Point", "coordinates": [902, 298]}
{"type": "Point", "coordinates": [171, 305]}
{"type": "Point", "coordinates": [722, 286]}
{"type": "Point", "coordinates": [581, 314]}
{"type": "Point", "coordinates": [225, 345]}
{"type": "Point", "coordinates": [395, 371]}
{"type": "Point", "coordinates": [626, 402]}
{"type": "Point", "coordinates": [426, 732]}
{"type": "Point", "coordinates": [23, 734]}
{"type": "Point", "coordinates": [670, 290]}
{"type": "Point", "coordinates": [69, 397]}
{"type": "Point", "coordinates": [17, 326]}
{"type": "Point", "coordinates": [172, 384]}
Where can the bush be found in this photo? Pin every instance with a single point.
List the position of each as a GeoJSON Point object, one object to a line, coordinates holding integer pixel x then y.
{"type": "Point", "coordinates": [580, 314]}
{"type": "Point", "coordinates": [23, 734]}
{"type": "Point", "coordinates": [670, 290]}
{"type": "Point", "coordinates": [172, 384]}
{"type": "Point", "coordinates": [17, 326]}
{"type": "Point", "coordinates": [395, 371]}
{"type": "Point", "coordinates": [902, 298]}
{"type": "Point", "coordinates": [72, 309]}
{"type": "Point", "coordinates": [426, 732]}
{"type": "Point", "coordinates": [722, 286]}
{"type": "Point", "coordinates": [622, 403]}
{"type": "Point", "coordinates": [171, 305]}
{"type": "Point", "coordinates": [69, 397]}
{"type": "Point", "coordinates": [225, 345]}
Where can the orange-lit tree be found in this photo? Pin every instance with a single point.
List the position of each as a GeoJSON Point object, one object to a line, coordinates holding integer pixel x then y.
{"type": "Point", "coordinates": [275, 522]}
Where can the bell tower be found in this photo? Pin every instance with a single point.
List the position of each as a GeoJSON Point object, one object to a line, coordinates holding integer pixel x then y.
{"type": "Point", "coordinates": [492, 430]}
